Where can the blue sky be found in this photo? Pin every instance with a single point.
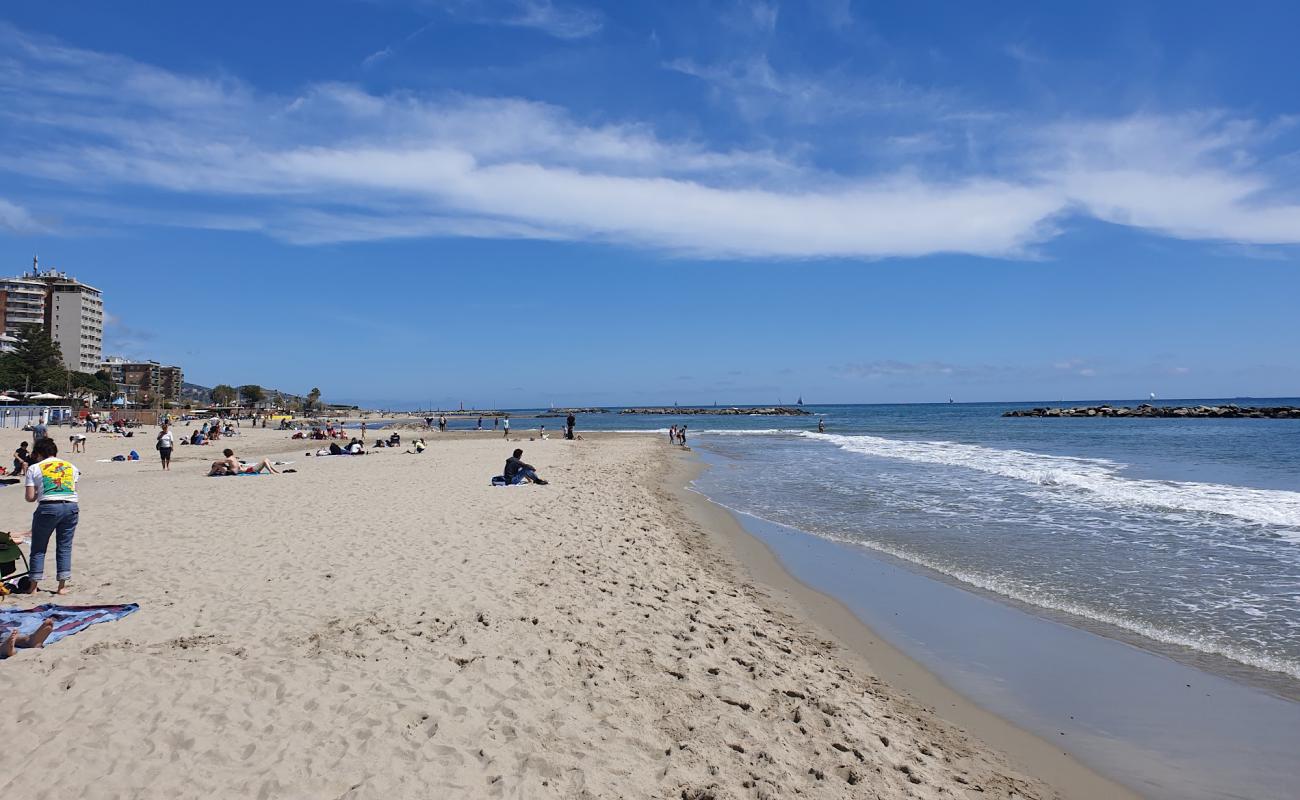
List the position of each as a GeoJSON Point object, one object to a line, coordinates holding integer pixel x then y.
{"type": "Point", "coordinates": [516, 202]}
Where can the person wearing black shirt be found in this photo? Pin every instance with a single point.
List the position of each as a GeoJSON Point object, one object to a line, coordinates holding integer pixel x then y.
{"type": "Point", "coordinates": [517, 471]}
{"type": "Point", "coordinates": [570, 421]}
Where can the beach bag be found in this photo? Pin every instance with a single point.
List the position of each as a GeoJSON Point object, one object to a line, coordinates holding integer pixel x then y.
{"type": "Point", "coordinates": [134, 456]}
{"type": "Point", "coordinates": [119, 457]}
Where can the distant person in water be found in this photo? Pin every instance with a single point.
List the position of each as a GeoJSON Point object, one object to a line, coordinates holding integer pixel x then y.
{"type": "Point", "coordinates": [496, 423]}
{"type": "Point", "coordinates": [821, 426]}
{"type": "Point", "coordinates": [681, 436]}
{"type": "Point", "coordinates": [517, 471]}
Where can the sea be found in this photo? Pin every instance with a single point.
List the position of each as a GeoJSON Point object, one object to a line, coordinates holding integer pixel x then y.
{"type": "Point", "coordinates": [1181, 536]}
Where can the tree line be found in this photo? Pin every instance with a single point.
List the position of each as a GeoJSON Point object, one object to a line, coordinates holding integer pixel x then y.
{"type": "Point", "coordinates": [36, 365]}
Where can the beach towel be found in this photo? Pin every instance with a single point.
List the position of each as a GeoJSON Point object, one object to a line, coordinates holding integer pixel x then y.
{"type": "Point", "coordinates": [67, 619]}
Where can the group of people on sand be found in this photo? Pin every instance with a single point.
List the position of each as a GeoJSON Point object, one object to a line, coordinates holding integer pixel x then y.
{"type": "Point", "coordinates": [230, 465]}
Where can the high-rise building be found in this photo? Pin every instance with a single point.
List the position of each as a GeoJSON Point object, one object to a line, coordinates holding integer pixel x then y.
{"type": "Point", "coordinates": [70, 311]}
{"type": "Point", "coordinates": [22, 302]}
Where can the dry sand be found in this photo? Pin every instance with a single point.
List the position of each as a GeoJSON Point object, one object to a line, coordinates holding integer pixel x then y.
{"type": "Point", "coordinates": [392, 626]}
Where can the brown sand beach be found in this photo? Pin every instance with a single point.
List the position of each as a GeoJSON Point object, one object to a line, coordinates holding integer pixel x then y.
{"type": "Point", "coordinates": [393, 626]}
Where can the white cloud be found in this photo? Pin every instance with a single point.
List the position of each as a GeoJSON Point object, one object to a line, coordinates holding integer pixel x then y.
{"type": "Point", "coordinates": [562, 22]}
{"type": "Point", "coordinates": [336, 163]}
{"type": "Point", "coordinates": [16, 219]}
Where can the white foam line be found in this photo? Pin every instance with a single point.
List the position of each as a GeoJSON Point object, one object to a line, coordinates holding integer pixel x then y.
{"type": "Point", "coordinates": [1098, 478]}
{"type": "Point", "coordinates": [1154, 632]}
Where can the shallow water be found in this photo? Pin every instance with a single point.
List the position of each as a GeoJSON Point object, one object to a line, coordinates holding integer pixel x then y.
{"type": "Point", "coordinates": [1181, 535]}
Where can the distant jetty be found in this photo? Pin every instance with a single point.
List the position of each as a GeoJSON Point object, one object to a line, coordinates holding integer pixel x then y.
{"type": "Point", "coordinates": [770, 411]}
{"type": "Point", "coordinates": [1179, 412]}
{"type": "Point", "coordinates": [564, 412]}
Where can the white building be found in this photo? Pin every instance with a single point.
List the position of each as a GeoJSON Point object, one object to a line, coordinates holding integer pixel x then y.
{"type": "Point", "coordinates": [71, 311]}
{"type": "Point", "coordinates": [22, 302]}
{"type": "Point", "coordinates": [75, 319]}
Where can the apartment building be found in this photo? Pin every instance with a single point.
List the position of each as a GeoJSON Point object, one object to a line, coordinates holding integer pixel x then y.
{"type": "Point", "coordinates": [144, 382]}
{"type": "Point", "coordinates": [71, 311]}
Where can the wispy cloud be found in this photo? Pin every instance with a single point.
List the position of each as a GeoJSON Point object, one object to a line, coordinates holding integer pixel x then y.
{"type": "Point", "coordinates": [334, 162]}
{"type": "Point", "coordinates": [16, 219]}
{"type": "Point", "coordinates": [560, 21]}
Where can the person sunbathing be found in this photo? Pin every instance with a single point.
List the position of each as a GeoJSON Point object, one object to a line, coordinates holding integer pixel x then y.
{"type": "Point", "coordinates": [13, 639]}
{"type": "Point", "coordinates": [233, 466]}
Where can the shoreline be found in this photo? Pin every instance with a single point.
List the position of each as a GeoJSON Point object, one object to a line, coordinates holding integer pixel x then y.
{"type": "Point", "coordinates": [856, 641]}
{"type": "Point", "coordinates": [393, 626]}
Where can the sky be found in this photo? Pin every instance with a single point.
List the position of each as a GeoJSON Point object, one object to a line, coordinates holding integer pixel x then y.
{"type": "Point", "coordinates": [513, 203]}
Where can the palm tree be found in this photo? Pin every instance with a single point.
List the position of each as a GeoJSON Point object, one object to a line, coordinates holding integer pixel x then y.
{"type": "Point", "coordinates": [313, 397]}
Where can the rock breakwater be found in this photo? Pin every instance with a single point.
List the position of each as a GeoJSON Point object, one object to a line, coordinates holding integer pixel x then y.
{"type": "Point", "coordinates": [771, 411]}
{"type": "Point", "coordinates": [1228, 411]}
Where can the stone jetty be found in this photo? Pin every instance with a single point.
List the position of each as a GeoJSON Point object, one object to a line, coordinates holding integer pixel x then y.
{"type": "Point", "coordinates": [771, 411]}
{"type": "Point", "coordinates": [1229, 411]}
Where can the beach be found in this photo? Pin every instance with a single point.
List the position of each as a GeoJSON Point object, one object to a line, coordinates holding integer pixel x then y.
{"type": "Point", "coordinates": [391, 625]}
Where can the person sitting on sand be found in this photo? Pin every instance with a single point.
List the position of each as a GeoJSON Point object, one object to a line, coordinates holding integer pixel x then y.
{"type": "Point", "coordinates": [232, 466]}
{"type": "Point", "coordinates": [11, 639]}
{"type": "Point", "coordinates": [22, 458]}
{"type": "Point", "coordinates": [419, 447]}
{"type": "Point", "coordinates": [394, 440]}
{"type": "Point", "coordinates": [517, 471]}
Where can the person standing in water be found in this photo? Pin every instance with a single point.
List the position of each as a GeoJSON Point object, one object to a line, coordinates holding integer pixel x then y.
{"type": "Point", "coordinates": [821, 426]}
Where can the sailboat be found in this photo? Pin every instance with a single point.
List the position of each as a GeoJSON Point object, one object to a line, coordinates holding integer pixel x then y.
{"type": "Point", "coordinates": [799, 402]}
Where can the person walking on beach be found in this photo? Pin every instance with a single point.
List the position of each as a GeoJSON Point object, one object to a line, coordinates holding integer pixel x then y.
{"type": "Point", "coordinates": [51, 483]}
{"type": "Point", "coordinates": [442, 424]}
{"type": "Point", "coordinates": [672, 435]}
{"type": "Point", "coordinates": [506, 425]}
{"type": "Point", "coordinates": [363, 430]}
{"type": "Point", "coordinates": [165, 444]}
{"type": "Point", "coordinates": [569, 422]}
{"type": "Point", "coordinates": [480, 424]}
{"type": "Point", "coordinates": [681, 436]}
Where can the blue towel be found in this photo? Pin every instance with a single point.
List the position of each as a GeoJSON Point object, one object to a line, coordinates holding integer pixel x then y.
{"type": "Point", "coordinates": [67, 619]}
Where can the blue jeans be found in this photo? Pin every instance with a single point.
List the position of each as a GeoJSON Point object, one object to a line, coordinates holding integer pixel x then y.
{"type": "Point", "coordinates": [51, 519]}
{"type": "Point", "coordinates": [524, 473]}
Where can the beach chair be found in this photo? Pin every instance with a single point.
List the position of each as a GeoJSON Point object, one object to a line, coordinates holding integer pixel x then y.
{"type": "Point", "coordinates": [10, 556]}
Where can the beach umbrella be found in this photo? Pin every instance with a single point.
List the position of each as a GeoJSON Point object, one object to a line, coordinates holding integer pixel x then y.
{"type": "Point", "coordinates": [7, 399]}
{"type": "Point", "coordinates": [46, 396]}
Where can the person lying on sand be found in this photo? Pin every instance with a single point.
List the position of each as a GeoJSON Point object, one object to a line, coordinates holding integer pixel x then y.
{"type": "Point", "coordinates": [517, 471]}
{"type": "Point", "coordinates": [232, 466]}
{"type": "Point", "coordinates": [10, 639]}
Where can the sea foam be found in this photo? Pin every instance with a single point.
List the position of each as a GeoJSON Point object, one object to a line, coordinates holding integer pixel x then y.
{"type": "Point", "coordinates": [1091, 480]}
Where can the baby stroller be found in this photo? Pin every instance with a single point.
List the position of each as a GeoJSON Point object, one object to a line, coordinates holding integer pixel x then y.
{"type": "Point", "coordinates": [11, 554]}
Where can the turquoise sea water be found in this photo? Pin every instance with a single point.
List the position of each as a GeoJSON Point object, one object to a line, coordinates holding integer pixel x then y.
{"type": "Point", "coordinates": [1179, 535]}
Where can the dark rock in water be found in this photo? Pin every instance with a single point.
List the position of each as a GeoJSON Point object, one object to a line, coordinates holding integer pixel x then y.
{"type": "Point", "coordinates": [564, 412]}
{"type": "Point", "coordinates": [771, 411]}
{"type": "Point", "coordinates": [1229, 411]}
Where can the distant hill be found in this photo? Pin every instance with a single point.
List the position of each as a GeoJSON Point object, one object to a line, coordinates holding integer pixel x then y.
{"type": "Point", "coordinates": [196, 393]}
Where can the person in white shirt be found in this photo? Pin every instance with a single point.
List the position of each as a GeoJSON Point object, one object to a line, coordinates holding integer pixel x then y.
{"type": "Point", "coordinates": [51, 483]}
{"type": "Point", "coordinates": [165, 444]}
